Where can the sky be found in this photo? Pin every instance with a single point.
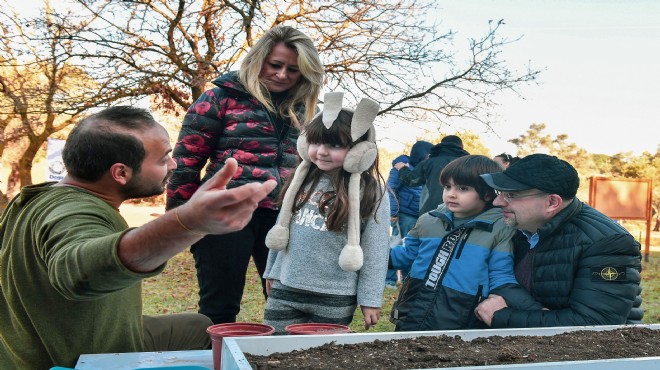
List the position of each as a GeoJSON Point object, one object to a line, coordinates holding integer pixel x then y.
{"type": "Point", "coordinates": [600, 62]}
{"type": "Point", "coordinates": [600, 75]}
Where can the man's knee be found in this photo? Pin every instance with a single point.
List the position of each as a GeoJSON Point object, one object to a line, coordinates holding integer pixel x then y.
{"type": "Point", "coordinates": [176, 332]}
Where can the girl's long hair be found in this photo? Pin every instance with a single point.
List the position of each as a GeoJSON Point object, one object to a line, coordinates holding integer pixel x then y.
{"type": "Point", "coordinates": [333, 205]}
{"type": "Point", "coordinates": [305, 92]}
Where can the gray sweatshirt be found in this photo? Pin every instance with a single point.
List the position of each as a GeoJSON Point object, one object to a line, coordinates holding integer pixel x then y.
{"type": "Point", "coordinates": [310, 261]}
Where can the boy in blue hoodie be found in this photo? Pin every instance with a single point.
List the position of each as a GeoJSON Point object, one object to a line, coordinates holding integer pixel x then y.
{"type": "Point", "coordinates": [404, 200]}
{"type": "Point", "coordinates": [457, 255]}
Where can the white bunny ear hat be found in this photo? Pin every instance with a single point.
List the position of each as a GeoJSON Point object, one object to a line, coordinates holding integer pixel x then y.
{"type": "Point", "coordinates": [358, 159]}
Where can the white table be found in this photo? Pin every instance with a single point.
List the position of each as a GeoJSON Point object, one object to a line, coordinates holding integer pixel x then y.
{"type": "Point", "coordinates": [145, 360]}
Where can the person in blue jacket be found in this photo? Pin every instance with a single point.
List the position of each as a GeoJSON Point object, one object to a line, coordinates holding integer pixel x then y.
{"type": "Point", "coordinates": [404, 200]}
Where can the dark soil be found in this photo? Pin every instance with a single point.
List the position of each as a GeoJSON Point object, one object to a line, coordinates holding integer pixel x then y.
{"type": "Point", "coordinates": [445, 351]}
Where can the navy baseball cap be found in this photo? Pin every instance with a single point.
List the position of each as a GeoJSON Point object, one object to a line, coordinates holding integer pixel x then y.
{"type": "Point", "coordinates": [537, 171]}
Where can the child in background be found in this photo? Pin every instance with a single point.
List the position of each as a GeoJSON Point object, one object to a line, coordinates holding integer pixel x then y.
{"type": "Point", "coordinates": [404, 201]}
{"type": "Point", "coordinates": [457, 255]}
{"type": "Point", "coordinates": [329, 248]}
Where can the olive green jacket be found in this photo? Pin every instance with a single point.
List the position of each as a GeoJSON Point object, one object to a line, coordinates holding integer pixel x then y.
{"type": "Point", "coordinates": [64, 290]}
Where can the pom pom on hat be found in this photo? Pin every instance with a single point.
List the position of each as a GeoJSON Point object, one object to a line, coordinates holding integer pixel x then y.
{"type": "Point", "coordinates": [278, 238]}
{"type": "Point", "coordinates": [350, 258]}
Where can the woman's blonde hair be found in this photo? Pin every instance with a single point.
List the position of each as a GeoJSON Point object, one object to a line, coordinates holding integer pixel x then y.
{"type": "Point", "coordinates": [306, 91]}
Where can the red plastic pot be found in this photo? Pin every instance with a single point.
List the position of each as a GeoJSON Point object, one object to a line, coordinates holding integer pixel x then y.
{"type": "Point", "coordinates": [233, 329]}
{"type": "Point", "coordinates": [316, 328]}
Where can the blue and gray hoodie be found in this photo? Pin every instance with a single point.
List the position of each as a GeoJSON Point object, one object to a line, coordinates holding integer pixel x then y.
{"type": "Point", "coordinates": [406, 198]}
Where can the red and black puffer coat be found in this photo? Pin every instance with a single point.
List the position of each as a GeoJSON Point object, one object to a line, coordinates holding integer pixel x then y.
{"type": "Point", "coordinates": [227, 122]}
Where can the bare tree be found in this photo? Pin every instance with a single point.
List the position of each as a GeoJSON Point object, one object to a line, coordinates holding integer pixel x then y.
{"type": "Point", "coordinates": [43, 88]}
{"type": "Point", "coordinates": [377, 48]}
{"type": "Point", "coordinates": [169, 50]}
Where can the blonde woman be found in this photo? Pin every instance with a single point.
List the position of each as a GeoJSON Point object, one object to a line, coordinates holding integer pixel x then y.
{"type": "Point", "coordinates": [254, 116]}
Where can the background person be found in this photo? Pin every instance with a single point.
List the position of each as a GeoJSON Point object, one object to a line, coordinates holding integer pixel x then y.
{"type": "Point", "coordinates": [583, 267]}
{"type": "Point", "coordinates": [505, 160]}
{"type": "Point", "coordinates": [428, 171]}
{"type": "Point", "coordinates": [405, 202]}
{"type": "Point", "coordinates": [457, 254]}
{"type": "Point", "coordinates": [71, 268]}
{"type": "Point", "coordinates": [329, 249]}
{"type": "Point", "coordinates": [254, 116]}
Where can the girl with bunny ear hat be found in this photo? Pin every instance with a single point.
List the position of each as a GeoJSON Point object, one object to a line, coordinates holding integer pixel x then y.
{"type": "Point", "coordinates": [334, 208]}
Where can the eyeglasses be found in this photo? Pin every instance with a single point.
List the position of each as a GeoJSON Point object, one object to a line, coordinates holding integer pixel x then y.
{"type": "Point", "coordinates": [508, 197]}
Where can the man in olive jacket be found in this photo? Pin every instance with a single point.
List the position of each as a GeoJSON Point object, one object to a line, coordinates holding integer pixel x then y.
{"type": "Point", "coordinates": [583, 267]}
{"type": "Point", "coordinates": [71, 268]}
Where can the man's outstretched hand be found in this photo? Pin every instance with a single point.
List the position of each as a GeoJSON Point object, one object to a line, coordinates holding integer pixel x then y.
{"type": "Point", "coordinates": [214, 209]}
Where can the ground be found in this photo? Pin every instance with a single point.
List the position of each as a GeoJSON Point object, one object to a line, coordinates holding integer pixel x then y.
{"type": "Point", "coordinates": [445, 351]}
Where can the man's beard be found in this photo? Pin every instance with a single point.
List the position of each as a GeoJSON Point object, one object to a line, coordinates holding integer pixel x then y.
{"type": "Point", "coordinates": [135, 188]}
{"type": "Point", "coordinates": [510, 221]}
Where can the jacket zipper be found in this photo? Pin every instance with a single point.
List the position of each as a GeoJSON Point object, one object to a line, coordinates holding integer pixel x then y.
{"type": "Point", "coordinates": [280, 138]}
{"type": "Point", "coordinates": [478, 298]}
{"type": "Point", "coordinates": [461, 243]}
{"type": "Point", "coordinates": [531, 270]}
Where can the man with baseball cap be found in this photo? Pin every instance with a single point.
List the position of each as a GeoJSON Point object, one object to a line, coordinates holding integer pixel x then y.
{"type": "Point", "coordinates": [583, 267]}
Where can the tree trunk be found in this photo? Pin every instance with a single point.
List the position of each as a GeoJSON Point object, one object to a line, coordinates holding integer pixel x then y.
{"type": "Point", "coordinates": [13, 181]}
{"type": "Point", "coordinates": [3, 201]}
{"type": "Point", "coordinates": [25, 163]}
{"type": "Point", "coordinates": [21, 172]}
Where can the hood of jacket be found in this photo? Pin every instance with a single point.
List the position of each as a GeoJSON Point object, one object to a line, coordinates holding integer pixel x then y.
{"type": "Point", "coordinates": [484, 220]}
{"type": "Point", "coordinates": [402, 158]}
{"type": "Point", "coordinates": [419, 151]}
{"type": "Point", "coordinates": [449, 149]}
{"type": "Point", "coordinates": [230, 80]}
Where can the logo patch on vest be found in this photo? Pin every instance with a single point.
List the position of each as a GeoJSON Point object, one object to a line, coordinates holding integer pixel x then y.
{"type": "Point", "coordinates": [608, 273]}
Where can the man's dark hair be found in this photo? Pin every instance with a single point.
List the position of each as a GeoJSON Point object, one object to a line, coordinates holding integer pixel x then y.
{"type": "Point", "coordinates": [452, 139]}
{"type": "Point", "coordinates": [103, 139]}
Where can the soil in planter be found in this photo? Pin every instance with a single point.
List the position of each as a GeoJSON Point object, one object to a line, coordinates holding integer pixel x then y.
{"type": "Point", "coordinates": [445, 351]}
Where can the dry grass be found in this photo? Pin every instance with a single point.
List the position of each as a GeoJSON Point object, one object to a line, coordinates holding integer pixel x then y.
{"type": "Point", "coordinates": [175, 290]}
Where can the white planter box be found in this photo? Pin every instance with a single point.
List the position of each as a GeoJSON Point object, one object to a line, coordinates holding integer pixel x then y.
{"type": "Point", "coordinates": [233, 348]}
